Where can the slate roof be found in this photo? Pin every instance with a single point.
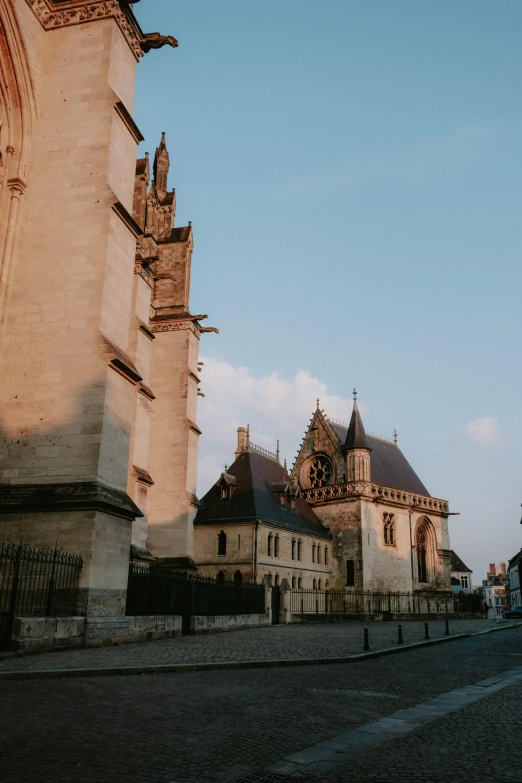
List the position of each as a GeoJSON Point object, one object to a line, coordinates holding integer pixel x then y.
{"type": "Point", "coordinates": [254, 498]}
{"type": "Point", "coordinates": [356, 436]}
{"type": "Point", "coordinates": [457, 564]}
{"type": "Point", "coordinates": [388, 465]}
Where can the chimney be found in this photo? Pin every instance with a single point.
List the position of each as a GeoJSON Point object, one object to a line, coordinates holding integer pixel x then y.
{"type": "Point", "coordinates": [242, 440]}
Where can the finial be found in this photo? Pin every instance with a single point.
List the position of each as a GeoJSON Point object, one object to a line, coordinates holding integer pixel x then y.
{"type": "Point", "coordinates": [395, 436]}
{"type": "Point", "coordinates": [163, 136]}
{"type": "Point", "coordinates": [248, 437]}
{"type": "Point", "coordinates": [226, 467]}
{"type": "Point", "coordinates": [277, 451]}
{"type": "Point", "coordinates": [317, 401]}
{"type": "Point", "coordinates": [190, 222]}
{"type": "Point", "coordinates": [354, 394]}
{"type": "Point", "coordinates": [284, 466]}
{"type": "Point", "coordinates": [146, 154]}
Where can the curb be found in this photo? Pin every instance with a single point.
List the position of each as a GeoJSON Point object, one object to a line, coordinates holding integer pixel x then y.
{"type": "Point", "coordinates": [171, 668]}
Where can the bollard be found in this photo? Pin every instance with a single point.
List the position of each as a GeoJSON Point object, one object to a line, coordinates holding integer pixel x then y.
{"type": "Point", "coordinates": [447, 632]}
{"type": "Point", "coordinates": [366, 647]}
{"type": "Point", "coordinates": [401, 640]}
{"type": "Point", "coordinates": [426, 631]}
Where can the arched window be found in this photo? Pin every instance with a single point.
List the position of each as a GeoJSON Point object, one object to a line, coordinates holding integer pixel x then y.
{"type": "Point", "coordinates": [425, 541]}
{"type": "Point", "coordinates": [222, 544]}
{"type": "Point", "coordinates": [313, 553]}
{"type": "Point", "coordinates": [326, 584]}
{"type": "Point", "coordinates": [276, 546]}
{"type": "Point", "coordinates": [389, 529]}
{"type": "Point", "coordinates": [326, 555]}
{"type": "Point", "coordinates": [318, 553]}
{"type": "Point", "coordinates": [293, 548]}
{"type": "Point", "coordinates": [319, 585]}
{"type": "Point", "coordinates": [299, 549]}
{"type": "Point", "coordinates": [314, 584]}
{"type": "Point", "coordinates": [277, 580]}
{"type": "Point", "coordinates": [300, 583]}
{"type": "Point", "coordinates": [220, 577]}
{"type": "Point", "coordinates": [225, 492]}
{"type": "Point", "coordinates": [294, 581]}
{"type": "Point", "coordinates": [270, 537]}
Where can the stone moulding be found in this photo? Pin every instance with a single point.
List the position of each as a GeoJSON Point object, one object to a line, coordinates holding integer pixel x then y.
{"type": "Point", "coordinates": [79, 13]}
{"type": "Point", "coordinates": [69, 496]}
{"type": "Point", "coordinates": [338, 492]}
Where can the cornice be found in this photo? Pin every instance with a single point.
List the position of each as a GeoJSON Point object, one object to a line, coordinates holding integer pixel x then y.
{"type": "Point", "coordinates": [82, 11]}
{"type": "Point", "coordinates": [336, 493]}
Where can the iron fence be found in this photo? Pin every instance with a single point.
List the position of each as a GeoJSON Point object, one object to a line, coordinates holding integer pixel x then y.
{"type": "Point", "coordinates": [152, 591]}
{"type": "Point", "coordinates": [354, 602]}
{"type": "Point", "coordinates": [36, 583]}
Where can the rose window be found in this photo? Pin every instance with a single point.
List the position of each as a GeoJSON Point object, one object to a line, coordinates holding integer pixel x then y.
{"type": "Point", "coordinates": [319, 471]}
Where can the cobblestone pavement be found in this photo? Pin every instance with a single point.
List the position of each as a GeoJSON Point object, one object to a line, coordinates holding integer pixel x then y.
{"type": "Point", "coordinates": [275, 642]}
{"type": "Point", "coordinates": [211, 726]}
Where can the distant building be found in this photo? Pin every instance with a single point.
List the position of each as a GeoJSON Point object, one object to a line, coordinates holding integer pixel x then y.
{"type": "Point", "coordinates": [494, 592]}
{"type": "Point", "coordinates": [515, 579]}
{"type": "Point", "coordinates": [460, 574]}
{"type": "Point", "coordinates": [498, 569]}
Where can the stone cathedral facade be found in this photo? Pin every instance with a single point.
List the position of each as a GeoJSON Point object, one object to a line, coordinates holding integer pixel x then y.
{"type": "Point", "coordinates": [99, 350]}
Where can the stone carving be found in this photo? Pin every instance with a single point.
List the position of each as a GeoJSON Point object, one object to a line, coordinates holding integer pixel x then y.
{"type": "Point", "coordinates": [156, 41]}
{"type": "Point", "coordinates": [85, 13]}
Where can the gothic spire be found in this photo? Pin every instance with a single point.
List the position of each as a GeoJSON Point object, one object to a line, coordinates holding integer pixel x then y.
{"type": "Point", "coordinates": [161, 167]}
{"type": "Point", "coordinates": [356, 436]}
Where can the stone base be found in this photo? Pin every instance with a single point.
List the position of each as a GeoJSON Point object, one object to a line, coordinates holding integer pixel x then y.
{"type": "Point", "coordinates": [200, 624]}
{"type": "Point", "coordinates": [43, 634]}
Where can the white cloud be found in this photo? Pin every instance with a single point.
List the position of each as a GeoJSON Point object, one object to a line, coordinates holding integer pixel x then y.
{"type": "Point", "coordinates": [485, 431]}
{"type": "Point", "coordinates": [274, 408]}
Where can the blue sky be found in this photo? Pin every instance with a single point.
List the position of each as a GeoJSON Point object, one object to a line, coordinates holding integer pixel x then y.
{"type": "Point", "coordinates": [354, 178]}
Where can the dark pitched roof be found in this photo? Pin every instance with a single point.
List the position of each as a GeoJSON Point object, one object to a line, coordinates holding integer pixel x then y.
{"type": "Point", "coordinates": [254, 498]}
{"type": "Point", "coordinates": [457, 564]}
{"type": "Point", "coordinates": [388, 465]}
{"type": "Point", "coordinates": [356, 436]}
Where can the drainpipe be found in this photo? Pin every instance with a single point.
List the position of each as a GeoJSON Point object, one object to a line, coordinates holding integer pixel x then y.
{"type": "Point", "coordinates": [255, 551]}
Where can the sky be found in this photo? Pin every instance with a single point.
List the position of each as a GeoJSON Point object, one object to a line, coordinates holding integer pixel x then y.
{"type": "Point", "coordinates": [353, 174]}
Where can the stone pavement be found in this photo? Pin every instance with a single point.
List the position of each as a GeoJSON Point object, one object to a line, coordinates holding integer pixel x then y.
{"type": "Point", "coordinates": [224, 726]}
{"type": "Point", "coordinates": [281, 642]}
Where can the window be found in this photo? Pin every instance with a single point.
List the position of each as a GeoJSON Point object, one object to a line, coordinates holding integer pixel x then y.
{"type": "Point", "coordinates": [225, 492]}
{"type": "Point", "coordinates": [299, 549]}
{"type": "Point", "coordinates": [326, 555]}
{"type": "Point", "coordinates": [238, 578]}
{"type": "Point", "coordinates": [319, 585]}
{"type": "Point", "coordinates": [389, 529]}
{"type": "Point", "coordinates": [318, 553]}
{"type": "Point", "coordinates": [314, 584]}
{"type": "Point", "coordinates": [320, 471]}
{"type": "Point", "coordinates": [350, 573]}
{"type": "Point", "coordinates": [464, 581]}
{"type": "Point", "coordinates": [293, 548]}
{"type": "Point", "coordinates": [222, 544]}
{"type": "Point", "coordinates": [238, 541]}
{"type": "Point", "coordinates": [294, 581]}
{"type": "Point", "coordinates": [269, 579]}
{"type": "Point", "coordinates": [313, 553]}
{"type": "Point", "coordinates": [300, 582]}
{"type": "Point", "coordinates": [270, 544]}
{"type": "Point", "coordinates": [326, 585]}
{"type": "Point", "coordinates": [425, 544]}
{"type": "Point", "coordinates": [220, 577]}
{"type": "Point", "coordinates": [276, 546]}
{"type": "Point", "coordinates": [277, 580]}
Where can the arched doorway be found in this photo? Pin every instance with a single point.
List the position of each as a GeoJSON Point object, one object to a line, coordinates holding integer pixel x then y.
{"type": "Point", "coordinates": [425, 546]}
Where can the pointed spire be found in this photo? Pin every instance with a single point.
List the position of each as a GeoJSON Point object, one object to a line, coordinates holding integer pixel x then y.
{"type": "Point", "coordinates": [161, 166]}
{"type": "Point", "coordinates": [277, 452]}
{"type": "Point", "coordinates": [356, 436]}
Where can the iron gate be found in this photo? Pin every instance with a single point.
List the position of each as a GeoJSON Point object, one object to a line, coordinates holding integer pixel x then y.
{"type": "Point", "coordinates": [36, 583]}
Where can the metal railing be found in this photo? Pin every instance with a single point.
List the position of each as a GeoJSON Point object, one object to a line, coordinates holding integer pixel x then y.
{"type": "Point", "coordinates": [355, 602]}
{"type": "Point", "coordinates": [153, 591]}
{"type": "Point", "coordinates": [36, 583]}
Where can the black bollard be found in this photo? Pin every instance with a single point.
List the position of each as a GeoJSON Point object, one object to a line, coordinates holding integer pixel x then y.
{"type": "Point", "coordinates": [401, 640]}
{"type": "Point", "coordinates": [447, 632]}
{"type": "Point", "coordinates": [426, 631]}
{"type": "Point", "coordinates": [366, 647]}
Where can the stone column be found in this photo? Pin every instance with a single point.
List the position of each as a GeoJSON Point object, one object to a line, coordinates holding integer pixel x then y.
{"type": "Point", "coordinates": [17, 189]}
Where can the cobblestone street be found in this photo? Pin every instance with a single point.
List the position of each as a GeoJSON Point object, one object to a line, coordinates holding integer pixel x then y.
{"type": "Point", "coordinates": [204, 727]}
{"type": "Point", "coordinates": [276, 642]}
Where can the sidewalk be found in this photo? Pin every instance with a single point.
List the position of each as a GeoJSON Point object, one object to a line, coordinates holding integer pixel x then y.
{"type": "Point", "coordinates": [277, 643]}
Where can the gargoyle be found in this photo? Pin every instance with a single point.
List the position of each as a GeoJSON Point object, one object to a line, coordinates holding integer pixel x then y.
{"type": "Point", "coordinates": [208, 329]}
{"type": "Point", "coordinates": [156, 41]}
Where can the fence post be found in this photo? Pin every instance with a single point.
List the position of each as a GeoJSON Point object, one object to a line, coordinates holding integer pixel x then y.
{"type": "Point", "coordinates": [326, 601]}
{"type": "Point", "coordinates": [268, 598]}
{"type": "Point", "coordinates": [426, 631]}
{"type": "Point", "coordinates": [447, 631]}
{"type": "Point", "coordinates": [400, 640]}
{"type": "Point", "coordinates": [285, 609]}
{"type": "Point", "coordinates": [366, 646]}
{"type": "Point", "coordinates": [50, 589]}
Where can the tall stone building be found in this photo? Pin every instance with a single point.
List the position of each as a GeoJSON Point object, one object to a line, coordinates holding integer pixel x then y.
{"type": "Point", "coordinates": [99, 351]}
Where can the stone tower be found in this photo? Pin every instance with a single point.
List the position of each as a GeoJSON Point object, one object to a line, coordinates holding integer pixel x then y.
{"type": "Point", "coordinates": [170, 365]}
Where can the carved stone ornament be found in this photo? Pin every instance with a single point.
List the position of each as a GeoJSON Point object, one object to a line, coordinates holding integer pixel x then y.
{"type": "Point", "coordinates": [102, 9]}
{"type": "Point", "coordinates": [176, 326]}
{"type": "Point", "coordinates": [156, 41]}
